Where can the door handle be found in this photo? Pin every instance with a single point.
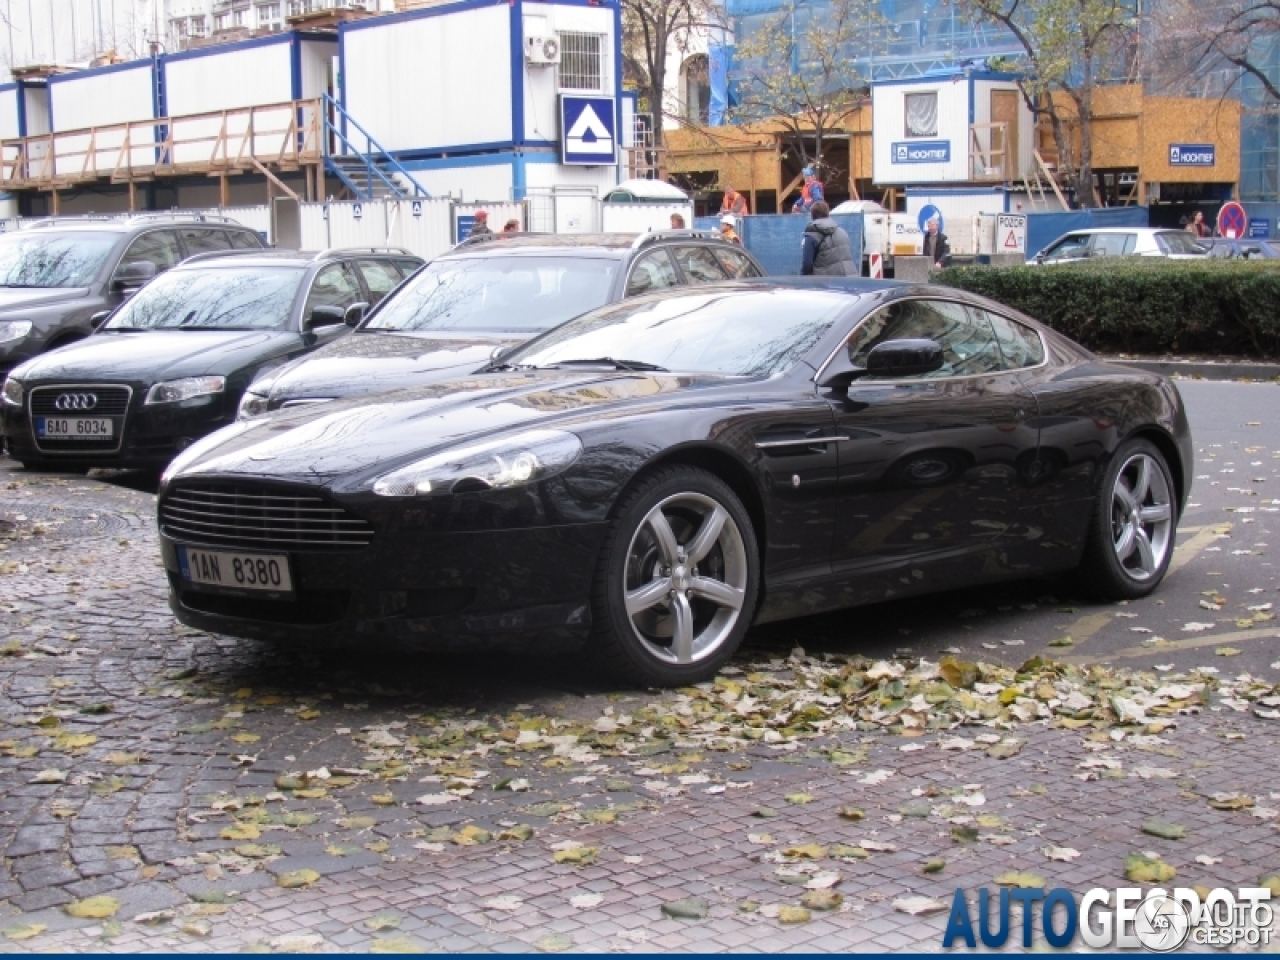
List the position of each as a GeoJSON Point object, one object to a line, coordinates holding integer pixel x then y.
{"type": "Point", "coordinates": [804, 442]}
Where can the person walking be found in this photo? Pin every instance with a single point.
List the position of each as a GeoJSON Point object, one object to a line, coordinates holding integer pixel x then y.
{"type": "Point", "coordinates": [936, 246]}
{"type": "Point", "coordinates": [734, 204]}
{"type": "Point", "coordinates": [1198, 226]}
{"type": "Point", "coordinates": [677, 222]}
{"type": "Point", "coordinates": [812, 192]}
{"type": "Point", "coordinates": [481, 227]}
{"type": "Point", "coordinates": [727, 224]}
{"type": "Point", "coordinates": [825, 248]}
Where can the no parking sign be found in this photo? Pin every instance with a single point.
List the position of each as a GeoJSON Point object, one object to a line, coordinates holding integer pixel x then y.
{"type": "Point", "coordinates": [1231, 220]}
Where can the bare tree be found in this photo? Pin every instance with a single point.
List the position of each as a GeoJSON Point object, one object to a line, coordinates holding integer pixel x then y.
{"type": "Point", "coordinates": [651, 31]}
{"type": "Point", "coordinates": [807, 73]}
{"type": "Point", "coordinates": [1242, 34]}
{"type": "Point", "coordinates": [1068, 47]}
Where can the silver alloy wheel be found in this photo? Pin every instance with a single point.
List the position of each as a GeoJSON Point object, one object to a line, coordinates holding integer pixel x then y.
{"type": "Point", "coordinates": [1141, 517]}
{"type": "Point", "coordinates": [686, 578]}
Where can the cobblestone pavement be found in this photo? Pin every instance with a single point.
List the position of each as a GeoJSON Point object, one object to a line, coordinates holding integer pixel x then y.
{"type": "Point", "coordinates": [226, 795]}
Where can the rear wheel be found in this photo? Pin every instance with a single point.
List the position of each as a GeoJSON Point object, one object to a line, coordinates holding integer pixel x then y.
{"type": "Point", "coordinates": [1131, 537]}
{"type": "Point", "coordinates": [678, 578]}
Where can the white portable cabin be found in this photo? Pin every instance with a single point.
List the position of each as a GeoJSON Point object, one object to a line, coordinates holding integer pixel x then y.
{"type": "Point", "coordinates": [466, 98]}
{"type": "Point", "coordinates": [269, 71]}
{"type": "Point", "coordinates": [24, 109]}
{"type": "Point", "coordinates": [937, 130]}
{"type": "Point", "coordinates": [105, 97]}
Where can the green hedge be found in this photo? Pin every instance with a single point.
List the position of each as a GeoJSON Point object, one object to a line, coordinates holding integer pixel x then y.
{"type": "Point", "coordinates": [1144, 306]}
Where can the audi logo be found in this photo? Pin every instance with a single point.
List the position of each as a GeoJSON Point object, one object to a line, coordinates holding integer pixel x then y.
{"type": "Point", "coordinates": [76, 401]}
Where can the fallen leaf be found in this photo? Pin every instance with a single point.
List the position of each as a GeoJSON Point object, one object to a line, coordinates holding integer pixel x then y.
{"type": "Point", "coordinates": [386, 920]}
{"type": "Point", "coordinates": [1164, 830]}
{"type": "Point", "coordinates": [824, 899]}
{"type": "Point", "coordinates": [585, 901]}
{"type": "Point", "coordinates": [1209, 861]}
{"type": "Point", "coordinates": [297, 878]}
{"type": "Point", "coordinates": [935, 865]}
{"type": "Point", "coordinates": [194, 926]}
{"type": "Point", "coordinates": [792, 915]}
{"type": "Point", "coordinates": [1142, 869]}
{"type": "Point", "coordinates": [1230, 801]}
{"type": "Point", "coordinates": [798, 798]}
{"type": "Point", "coordinates": [24, 931]}
{"type": "Point", "coordinates": [851, 813]}
{"type": "Point", "coordinates": [1226, 651]}
{"type": "Point", "coordinates": [554, 942]}
{"type": "Point", "coordinates": [1020, 878]}
{"type": "Point", "coordinates": [576, 855]}
{"type": "Point", "coordinates": [917, 906]}
{"type": "Point", "coordinates": [506, 902]}
{"type": "Point", "coordinates": [93, 908]}
{"type": "Point", "coordinates": [1066, 854]}
{"type": "Point", "coordinates": [240, 831]}
{"type": "Point", "coordinates": [1271, 881]}
{"type": "Point", "coordinates": [691, 908]}
{"type": "Point", "coordinates": [807, 851]}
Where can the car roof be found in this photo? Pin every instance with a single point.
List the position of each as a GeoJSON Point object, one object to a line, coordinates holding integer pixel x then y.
{"type": "Point", "coordinates": [614, 245]}
{"type": "Point", "coordinates": [1126, 230]}
{"type": "Point", "coordinates": [131, 224]}
{"type": "Point", "coordinates": [269, 257]}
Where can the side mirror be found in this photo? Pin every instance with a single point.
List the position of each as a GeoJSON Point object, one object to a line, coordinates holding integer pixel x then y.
{"type": "Point", "coordinates": [134, 274]}
{"type": "Point", "coordinates": [904, 358]}
{"type": "Point", "coordinates": [99, 318]}
{"type": "Point", "coordinates": [354, 314]}
{"type": "Point", "coordinates": [324, 316]}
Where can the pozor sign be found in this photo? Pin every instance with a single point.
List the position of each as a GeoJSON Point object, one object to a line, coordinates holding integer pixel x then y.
{"type": "Point", "coordinates": [1159, 920]}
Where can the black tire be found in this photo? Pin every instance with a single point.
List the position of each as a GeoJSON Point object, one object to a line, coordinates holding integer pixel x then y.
{"type": "Point", "coordinates": [1104, 573]}
{"type": "Point", "coordinates": [641, 650]}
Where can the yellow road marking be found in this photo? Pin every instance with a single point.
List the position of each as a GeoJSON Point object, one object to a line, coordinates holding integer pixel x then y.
{"type": "Point", "coordinates": [1192, 643]}
{"type": "Point", "coordinates": [1186, 551]}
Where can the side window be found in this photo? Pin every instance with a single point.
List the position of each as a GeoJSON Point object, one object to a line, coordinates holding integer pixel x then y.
{"type": "Point", "coordinates": [968, 343]}
{"type": "Point", "coordinates": [1020, 345]}
{"type": "Point", "coordinates": [408, 267]}
{"type": "Point", "coordinates": [736, 263]}
{"type": "Point", "coordinates": [334, 286]}
{"type": "Point", "coordinates": [244, 240]}
{"type": "Point", "coordinates": [380, 277]}
{"type": "Point", "coordinates": [159, 247]}
{"type": "Point", "coordinates": [201, 240]}
{"type": "Point", "coordinates": [1069, 247]}
{"type": "Point", "coordinates": [1177, 242]}
{"type": "Point", "coordinates": [1113, 244]}
{"type": "Point", "coordinates": [699, 264]}
{"type": "Point", "coordinates": [653, 271]}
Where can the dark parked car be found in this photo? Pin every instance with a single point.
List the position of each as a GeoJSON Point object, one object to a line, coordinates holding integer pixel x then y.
{"type": "Point", "coordinates": [172, 363]}
{"type": "Point", "coordinates": [57, 274]}
{"type": "Point", "coordinates": [1222, 248]}
{"type": "Point", "coordinates": [652, 477]}
{"type": "Point", "coordinates": [484, 297]}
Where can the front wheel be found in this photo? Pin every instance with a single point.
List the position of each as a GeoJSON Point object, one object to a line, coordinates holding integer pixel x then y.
{"type": "Point", "coordinates": [677, 581]}
{"type": "Point", "coordinates": [1131, 535]}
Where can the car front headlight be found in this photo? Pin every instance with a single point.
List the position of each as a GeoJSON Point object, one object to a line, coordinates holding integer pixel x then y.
{"type": "Point", "coordinates": [496, 464]}
{"type": "Point", "coordinates": [253, 405]}
{"type": "Point", "coordinates": [188, 388]}
{"type": "Point", "coordinates": [12, 391]}
{"type": "Point", "coordinates": [14, 329]}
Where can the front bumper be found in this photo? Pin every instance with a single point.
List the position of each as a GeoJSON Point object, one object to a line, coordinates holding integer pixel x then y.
{"type": "Point", "coordinates": [145, 436]}
{"type": "Point", "coordinates": [443, 590]}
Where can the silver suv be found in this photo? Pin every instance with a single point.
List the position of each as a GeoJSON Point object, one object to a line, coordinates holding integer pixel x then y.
{"type": "Point", "coordinates": [1121, 242]}
{"type": "Point", "coordinates": [59, 277]}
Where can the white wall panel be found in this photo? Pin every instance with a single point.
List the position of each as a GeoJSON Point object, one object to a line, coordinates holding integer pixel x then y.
{"type": "Point", "coordinates": [423, 83]}
{"type": "Point", "coordinates": [642, 217]}
{"type": "Point", "coordinates": [381, 223]}
{"type": "Point", "coordinates": [958, 213]}
{"type": "Point", "coordinates": [96, 99]}
{"type": "Point", "coordinates": [541, 95]}
{"type": "Point", "coordinates": [9, 96]}
{"type": "Point", "coordinates": [488, 184]}
{"type": "Point", "coordinates": [889, 126]}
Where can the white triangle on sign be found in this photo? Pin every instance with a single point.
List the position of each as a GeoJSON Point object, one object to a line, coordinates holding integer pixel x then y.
{"type": "Point", "coordinates": [589, 122]}
{"type": "Point", "coordinates": [1011, 240]}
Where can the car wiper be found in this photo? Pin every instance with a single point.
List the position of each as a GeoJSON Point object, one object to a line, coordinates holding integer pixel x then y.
{"type": "Point", "coordinates": [609, 361]}
{"type": "Point", "coordinates": [499, 367]}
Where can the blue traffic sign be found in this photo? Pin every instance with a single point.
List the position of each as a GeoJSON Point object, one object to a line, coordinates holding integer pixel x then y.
{"type": "Point", "coordinates": [588, 134]}
{"type": "Point", "coordinates": [930, 212]}
{"type": "Point", "coordinates": [1259, 228]}
{"type": "Point", "coordinates": [462, 225]}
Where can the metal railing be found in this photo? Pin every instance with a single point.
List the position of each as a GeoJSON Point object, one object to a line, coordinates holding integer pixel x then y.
{"type": "Point", "coordinates": [373, 158]}
{"type": "Point", "coordinates": [287, 135]}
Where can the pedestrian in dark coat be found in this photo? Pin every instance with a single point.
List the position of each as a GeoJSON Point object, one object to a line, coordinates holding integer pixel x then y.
{"type": "Point", "coordinates": [826, 249]}
{"type": "Point", "coordinates": [936, 247]}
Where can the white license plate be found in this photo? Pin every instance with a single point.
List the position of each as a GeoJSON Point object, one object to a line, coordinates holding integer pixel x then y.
{"type": "Point", "coordinates": [74, 428]}
{"type": "Point", "coordinates": [267, 572]}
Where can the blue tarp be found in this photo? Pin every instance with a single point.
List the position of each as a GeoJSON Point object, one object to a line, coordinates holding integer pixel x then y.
{"type": "Point", "coordinates": [774, 239]}
{"type": "Point", "coordinates": [1044, 228]}
{"type": "Point", "coordinates": [718, 57]}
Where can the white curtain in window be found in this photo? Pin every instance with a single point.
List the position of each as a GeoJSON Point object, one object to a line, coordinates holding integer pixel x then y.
{"type": "Point", "coordinates": [922, 114]}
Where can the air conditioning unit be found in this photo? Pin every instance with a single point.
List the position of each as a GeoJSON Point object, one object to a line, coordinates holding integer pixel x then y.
{"type": "Point", "coordinates": [541, 51]}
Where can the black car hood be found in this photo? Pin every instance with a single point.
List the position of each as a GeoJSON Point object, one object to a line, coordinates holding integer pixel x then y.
{"type": "Point", "coordinates": [153, 355]}
{"type": "Point", "coordinates": [22, 298]}
{"type": "Point", "coordinates": [368, 362]}
{"type": "Point", "coordinates": [329, 441]}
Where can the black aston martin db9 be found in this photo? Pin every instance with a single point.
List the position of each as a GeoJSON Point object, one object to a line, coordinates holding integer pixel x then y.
{"type": "Point", "coordinates": [656, 475]}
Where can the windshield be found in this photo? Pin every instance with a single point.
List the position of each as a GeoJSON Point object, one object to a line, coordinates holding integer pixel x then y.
{"type": "Point", "coordinates": [250, 298]}
{"type": "Point", "coordinates": [497, 293]}
{"type": "Point", "coordinates": [39, 258]}
{"type": "Point", "coordinates": [1178, 242]}
{"type": "Point", "coordinates": [730, 332]}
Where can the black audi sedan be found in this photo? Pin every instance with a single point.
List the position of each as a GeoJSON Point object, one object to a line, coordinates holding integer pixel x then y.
{"type": "Point", "coordinates": [654, 476]}
{"type": "Point", "coordinates": [484, 297]}
{"type": "Point", "coordinates": [171, 364]}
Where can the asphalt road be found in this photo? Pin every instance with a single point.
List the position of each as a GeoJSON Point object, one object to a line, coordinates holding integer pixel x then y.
{"type": "Point", "coordinates": [1222, 561]}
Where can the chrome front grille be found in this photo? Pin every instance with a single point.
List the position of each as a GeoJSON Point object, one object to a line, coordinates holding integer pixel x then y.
{"type": "Point", "coordinates": [88, 401]}
{"type": "Point", "coordinates": [256, 516]}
